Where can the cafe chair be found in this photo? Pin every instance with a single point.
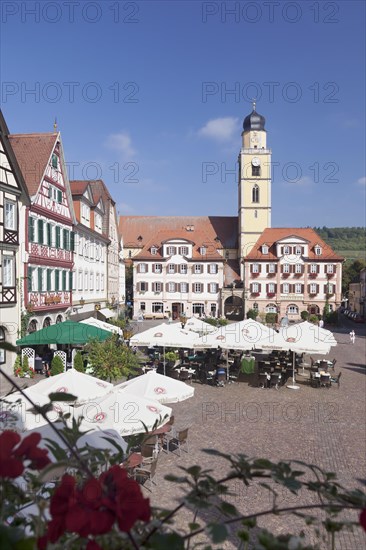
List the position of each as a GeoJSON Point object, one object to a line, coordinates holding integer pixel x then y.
{"type": "Point", "coordinates": [146, 473]}
{"type": "Point", "coordinates": [234, 375]}
{"type": "Point", "coordinates": [275, 380]}
{"type": "Point", "coordinates": [314, 380]}
{"type": "Point", "coordinates": [185, 376]}
{"type": "Point", "coordinates": [336, 380]}
{"type": "Point", "coordinates": [333, 364]}
{"type": "Point", "coordinates": [180, 440]}
{"type": "Point", "coordinates": [325, 381]}
{"type": "Point", "coordinates": [262, 380]}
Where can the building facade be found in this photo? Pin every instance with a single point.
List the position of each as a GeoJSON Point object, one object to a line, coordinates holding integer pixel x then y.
{"type": "Point", "coordinates": [47, 229]}
{"type": "Point", "coordinates": [13, 197]}
{"type": "Point", "coordinates": [283, 271]}
{"type": "Point", "coordinates": [91, 251]}
{"type": "Point", "coordinates": [290, 270]}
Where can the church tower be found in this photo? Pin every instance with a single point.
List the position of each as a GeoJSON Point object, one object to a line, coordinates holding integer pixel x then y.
{"type": "Point", "coordinates": [254, 202]}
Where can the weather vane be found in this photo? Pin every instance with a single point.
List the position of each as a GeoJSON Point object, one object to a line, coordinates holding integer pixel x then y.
{"type": "Point", "coordinates": [55, 124]}
{"type": "Point", "coordinates": [254, 101]}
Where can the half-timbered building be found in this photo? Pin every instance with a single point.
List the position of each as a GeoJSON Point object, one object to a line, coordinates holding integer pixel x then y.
{"type": "Point", "coordinates": [48, 228]}
{"type": "Point", "coordinates": [13, 195]}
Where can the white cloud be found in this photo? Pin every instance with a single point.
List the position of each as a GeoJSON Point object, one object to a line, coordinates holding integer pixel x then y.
{"type": "Point", "coordinates": [362, 181]}
{"type": "Point", "coordinates": [122, 143]}
{"type": "Point", "coordinates": [220, 129]}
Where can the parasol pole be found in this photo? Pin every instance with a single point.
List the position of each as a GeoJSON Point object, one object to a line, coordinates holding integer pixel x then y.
{"type": "Point", "coordinates": [293, 386]}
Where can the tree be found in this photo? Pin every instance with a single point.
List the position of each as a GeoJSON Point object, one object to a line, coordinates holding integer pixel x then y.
{"type": "Point", "coordinates": [252, 314]}
{"type": "Point", "coordinates": [351, 273]}
{"type": "Point", "coordinates": [110, 360]}
{"type": "Point", "coordinates": [57, 366]}
{"type": "Point", "coordinates": [271, 318]}
{"type": "Point", "coordinates": [304, 315]}
{"type": "Point", "coordinates": [78, 362]}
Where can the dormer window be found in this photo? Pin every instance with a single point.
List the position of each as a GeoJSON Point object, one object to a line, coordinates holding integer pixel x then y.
{"type": "Point", "coordinates": [171, 250]}
{"type": "Point", "coordinates": [54, 161]}
{"type": "Point", "coordinates": [286, 250]}
{"type": "Point", "coordinates": [264, 249]}
{"type": "Point", "coordinates": [203, 251]}
{"type": "Point", "coordinates": [183, 250]}
{"type": "Point", "coordinates": [154, 250]}
{"type": "Point", "coordinates": [318, 250]}
{"type": "Point", "coordinates": [298, 250]}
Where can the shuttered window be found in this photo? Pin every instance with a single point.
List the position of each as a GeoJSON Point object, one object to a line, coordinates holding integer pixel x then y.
{"type": "Point", "coordinates": [31, 229]}
{"type": "Point", "coordinates": [58, 236]}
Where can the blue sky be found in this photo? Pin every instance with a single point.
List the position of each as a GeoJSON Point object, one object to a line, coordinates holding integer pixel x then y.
{"type": "Point", "coordinates": [150, 96]}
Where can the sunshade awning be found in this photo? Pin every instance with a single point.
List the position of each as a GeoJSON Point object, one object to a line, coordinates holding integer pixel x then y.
{"type": "Point", "coordinates": [107, 313]}
{"type": "Point", "coordinates": [67, 332]}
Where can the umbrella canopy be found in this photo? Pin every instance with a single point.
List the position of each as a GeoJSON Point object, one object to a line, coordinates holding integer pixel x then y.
{"type": "Point", "coordinates": [15, 411]}
{"type": "Point", "coordinates": [156, 386]}
{"type": "Point", "coordinates": [84, 386]}
{"type": "Point", "coordinates": [196, 325]}
{"type": "Point", "coordinates": [101, 324]}
{"type": "Point", "coordinates": [165, 335]}
{"type": "Point", "coordinates": [124, 412]}
{"type": "Point", "coordinates": [67, 332]}
{"type": "Point", "coordinates": [95, 438]}
{"type": "Point", "coordinates": [244, 335]}
{"type": "Point", "coordinates": [319, 334]}
{"type": "Point", "coordinates": [301, 338]}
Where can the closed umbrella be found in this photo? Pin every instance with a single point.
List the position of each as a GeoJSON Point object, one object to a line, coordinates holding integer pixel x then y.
{"type": "Point", "coordinates": [158, 387]}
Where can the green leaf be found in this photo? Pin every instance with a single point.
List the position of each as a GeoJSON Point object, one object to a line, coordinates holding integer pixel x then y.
{"type": "Point", "coordinates": [228, 509]}
{"type": "Point", "coordinates": [7, 347]}
{"type": "Point", "coordinates": [218, 532]}
{"type": "Point", "coordinates": [166, 541]}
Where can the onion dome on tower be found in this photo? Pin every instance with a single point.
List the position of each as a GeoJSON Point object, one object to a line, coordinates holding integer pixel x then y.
{"type": "Point", "coordinates": [254, 121]}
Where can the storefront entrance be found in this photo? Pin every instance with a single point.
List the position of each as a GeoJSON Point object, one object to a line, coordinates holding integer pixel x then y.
{"type": "Point", "coordinates": [177, 310]}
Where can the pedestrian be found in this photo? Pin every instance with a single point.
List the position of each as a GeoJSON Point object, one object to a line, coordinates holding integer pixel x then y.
{"type": "Point", "coordinates": [352, 336]}
{"type": "Point", "coordinates": [321, 323]}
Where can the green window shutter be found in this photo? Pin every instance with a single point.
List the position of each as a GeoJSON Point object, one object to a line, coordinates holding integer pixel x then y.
{"type": "Point", "coordinates": [31, 229]}
{"type": "Point", "coordinates": [54, 161]}
{"type": "Point", "coordinates": [64, 280]}
{"type": "Point", "coordinates": [49, 271]}
{"type": "Point", "coordinates": [49, 234]}
{"type": "Point", "coordinates": [30, 272]}
{"type": "Point", "coordinates": [58, 236]}
{"type": "Point", "coordinates": [70, 280]}
{"type": "Point", "coordinates": [59, 196]}
{"type": "Point", "coordinates": [66, 239]}
{"type": "Point", "coordinates": [72, 241]}
{"type": "Point", "coordinates": [40, 279]}
{"type": "Point", "coordinates": [57, 279]}
{"type": "Point", "coordinates": [40, 232]}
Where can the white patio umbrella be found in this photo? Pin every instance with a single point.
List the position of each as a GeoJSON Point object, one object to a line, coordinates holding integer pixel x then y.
{"type": "Point", "coordinates": [165, 336]}
{"type": "Point", "coordinates": [158, 387]}
{"type": "Point", "coordinates": [298, 338]}
{"type": "Point", "coordinates": [197, 325]}
{"type": "Point", "coordinates": [84, 386]}
{"type": "Point", "coordinates": [319, 334]}
{"type": "Point", "coordinates": [101, 324]}
{"type": "Point", "coordinates": [124, 412]}
{"type": "Point", "coordinates": [244, 335]}
{"type": "Point", "coordinates": [96, 438]}
{"type": "Point", "coordinates": [15, 411]}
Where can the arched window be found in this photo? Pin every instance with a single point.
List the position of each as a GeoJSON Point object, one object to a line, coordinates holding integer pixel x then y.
{"type": "Point", "coordinates": [32, 326]}
{"type": "Point", "coordinates": [58, 319]}
{"type": "Point", "coordinates": [47, 322]}
{"type": "Point", "coordinates": [255, 193]}
{"type": "Point", "coordinates": [2, 351]}
{"type": "Point", "coordinates": [271, 308]}
{"type": "Point", "coordinates": [292, 309]}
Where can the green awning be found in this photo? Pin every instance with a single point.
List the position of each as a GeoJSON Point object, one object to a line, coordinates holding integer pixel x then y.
{"type": "Point", "coordinates": [67, 332]}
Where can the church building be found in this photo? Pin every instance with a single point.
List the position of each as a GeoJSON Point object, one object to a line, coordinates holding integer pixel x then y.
{"type": "Point", "coordinates": [224, 266]}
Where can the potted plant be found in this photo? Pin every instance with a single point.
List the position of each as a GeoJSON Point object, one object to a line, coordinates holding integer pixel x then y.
{"type": "Point", "coordinates": [171, 357]}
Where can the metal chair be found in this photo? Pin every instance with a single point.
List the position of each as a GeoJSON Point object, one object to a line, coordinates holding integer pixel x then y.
{"type": "Point", "coordinates": [336, 380]}
{"type": "Point", "coordinates": [180, 440]}
{"type": "Point", "coordinates": [325, 381]}
{"type": "Point", "coordinates": [146, 473]}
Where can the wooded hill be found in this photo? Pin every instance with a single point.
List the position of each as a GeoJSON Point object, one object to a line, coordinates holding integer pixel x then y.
{"type": "Point", "coordinates": [349, 242]}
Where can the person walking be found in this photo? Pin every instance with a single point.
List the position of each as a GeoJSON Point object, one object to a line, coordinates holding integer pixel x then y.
{"type": "Point", "coordinates": [352, 336]}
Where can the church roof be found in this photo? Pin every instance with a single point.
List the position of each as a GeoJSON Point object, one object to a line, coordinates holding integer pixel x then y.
{"type": "Point", "coordinates": [213, 231]}
{"type": "Point", "coordinates": [271, 236]}
{"type": "Point", "coordinates": [254, 121]}
{"type": "Point", "coordinates": [33, 152]}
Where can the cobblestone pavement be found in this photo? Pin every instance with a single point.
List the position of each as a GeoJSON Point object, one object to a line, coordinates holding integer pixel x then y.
{"type": "Point", "coordinates": [321, 426]}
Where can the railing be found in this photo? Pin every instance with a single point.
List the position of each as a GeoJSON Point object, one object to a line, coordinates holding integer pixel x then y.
{"type": "Point", "coordinates": [44, 251]}
{"type": "Point", "coordinates": [49, 299]}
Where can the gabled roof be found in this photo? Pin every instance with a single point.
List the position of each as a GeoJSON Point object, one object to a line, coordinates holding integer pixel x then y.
{"type": "Point", "coordinates": [222, 231]}
{"type": "Point", "coordinates": [78, 187]}
{"type": "Point", "coordinates": [271, 236]}
{"type": "Point", "coordinates": [33, 152]}
{"type": "Point", "coordinates": [4, 134]}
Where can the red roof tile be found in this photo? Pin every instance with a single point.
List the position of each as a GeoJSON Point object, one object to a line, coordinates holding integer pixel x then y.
{"type": "Point", "coordinates": [271, 236]}
{"type": "Point", "coordinates": [33, 152]}
{"type": "Point", "coordinates": [78, 187]}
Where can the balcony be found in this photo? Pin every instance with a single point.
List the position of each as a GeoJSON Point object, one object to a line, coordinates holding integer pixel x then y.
{"type": "Point", "coordinates": [51, 300]}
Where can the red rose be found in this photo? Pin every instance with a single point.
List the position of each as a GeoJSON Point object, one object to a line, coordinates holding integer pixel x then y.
{"type": "Point", "coordinates": [10, 465]}
{"type": "Point", "coordinates": [92, 545]}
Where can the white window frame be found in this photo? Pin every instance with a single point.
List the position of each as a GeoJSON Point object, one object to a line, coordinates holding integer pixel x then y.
{"type": "Point", "coordinates": [171, 269]}
{"type": "Point", "coordinates": [97, 278]}
{"type": "Point", "coordinates": [197, 269]}
{"type": "Point", "coordinates": [286, 250]}
{"type": "Point", "coordinates": [255, 268]}
{"type": "Point", "coordinates": [286, 268]}
{"type": "Point", "coordinates": [8, 275]}
{"type": "Point", "coordinates": [197, 288]}
{"type": "Point", "coordinates": [158, 268]}
{"type": "Point", "coordinates": [80, 279]}
{"type": "Point", "coordinates": [255, 287]}
{"type": "Point", "coordinates": [143, 286]}
{"type": "Point", "coordinates": [313, 288]}
{"type": "Point", "coordinates": [271, 288]}
{"type": "Point", "coordinates": [330, 269]}
{"type": "Point", "coordinates": [265, 249]}
{"type": "Point", "coordinates": [157, 307]}
{"type": "Point", "coordinates": [318, 251]}
{"type": "Point", "coordinates": [184, 288]}
{"type": "Point", "coordinates": [298, 288]}
{"type": "Point", "coordinates": [292, 309]}
{"type": "Point", "coordinates": [86, 280]}
{"type": "Point", "coordinates": [183, 250]}
{"type": "Point", "coordinates": [183, 268]}
{"type": "Point", "coordinates": [102, 282]}
{"type": "Point", "coordinates": [298, 250]}
{"type": "Point", "coordinates": [298, 268]}
{"type": "Point", "coordinates": [213, 269]}
{"type": "Point", "coordinates": [154, 250]}
{"type": "Point", "coordinates": [98, 222]}
{"type": "Point", "coordinates": [143, 268]}
{"type": "Point", "coordinates": [271, 268]}
{"type": "Point", "coordinates": [213, 288]}
{"type": "Point", "coordinates": [157, 287]}
{"type": "Point", "coordinates": [198, 309]}
{"type": "Point", "coordinates": [286, 288]}
{"type": "Point", "coordinates": [313, 268]}
{"type": "Point", "coordinates": [171, 287]}
{"type": "Point", "coordinates": [203, 250]}
{"type": "Point", "coordinates": [271, 308]}
{"type": "Point", "coordinates": [13, 213]}
{"type": "Point", "coordinates": [171, 250]}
